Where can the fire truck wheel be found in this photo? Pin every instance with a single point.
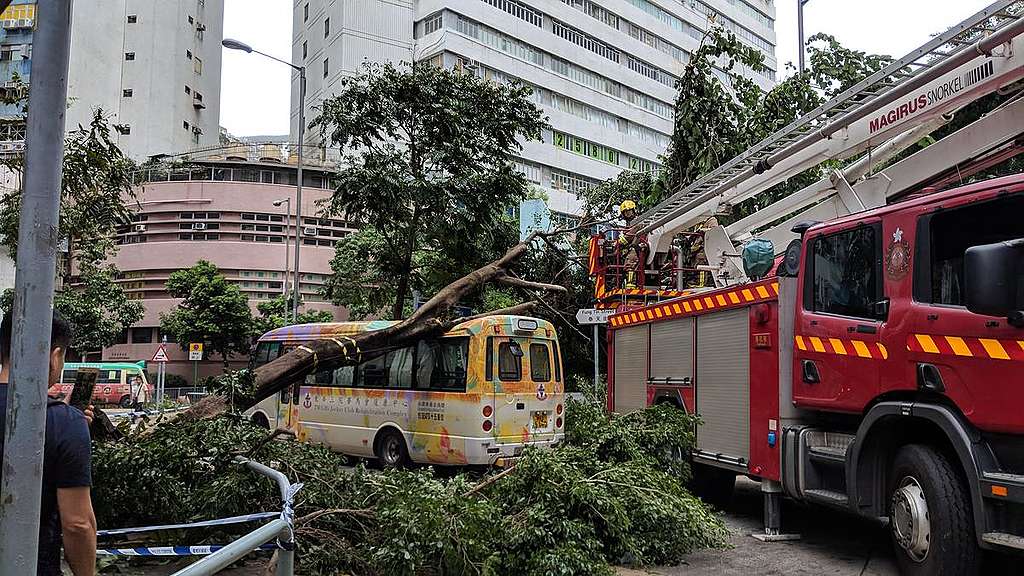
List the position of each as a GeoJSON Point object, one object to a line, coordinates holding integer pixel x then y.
{"type": "Point", "coordinates": [391, 451]}
{"type": "Point", "coordinates": [930, 515]}
{"type": "Point", "coordinates": [713, 485]}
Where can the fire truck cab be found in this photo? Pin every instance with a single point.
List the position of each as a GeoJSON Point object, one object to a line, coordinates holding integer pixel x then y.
{"type": "Point", "coordinates": [880, 370]}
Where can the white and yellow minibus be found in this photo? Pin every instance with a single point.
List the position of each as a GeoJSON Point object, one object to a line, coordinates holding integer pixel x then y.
{"type": "Point", "coordinates": [479, 394]}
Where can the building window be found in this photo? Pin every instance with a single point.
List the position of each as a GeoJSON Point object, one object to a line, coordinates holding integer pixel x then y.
{"type": "Point", "coordinates": [123, 129]}
{"type": "Point", "coordinates": [6, 53]}
{"type": "Point", "coordinates": [184, 124]}
{"type": "Point", "coordinates": [325, 67]}
{"type": "Point", "coordinates": [188, 90]}
{"type": "Point", "coordinates": [327, 27]}
{"type": "Point", "coordinates": [132, 18]}
{"type": "Point", "coordinates": [142, 335]}
{"type": "Point", "coordinates": [305, 50]}
{"type": "Point", "coordinates": [188, 54]}
{"type": "Point", "coordinates": [305, 12]}
{"type": "Point", "coordinates": [197, 65]}
{"type": "Point", "coordinates": [432, 24]}
{"type": "Point", "coordinates": [127, 93]}
{"type": "Point", "coordinates": [129, 55]}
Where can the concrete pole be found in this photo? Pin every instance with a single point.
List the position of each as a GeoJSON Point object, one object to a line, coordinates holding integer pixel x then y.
{"type": "Point", "coordinates": [298, 190]}
{"type": "Point", "coordinates": [33, 298]}
{"type": "Point", "coordinates": [287, 240]}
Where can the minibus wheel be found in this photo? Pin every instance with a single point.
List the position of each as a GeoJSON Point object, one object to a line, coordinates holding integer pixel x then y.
{"type": "Point", "coordinates": [391, 451]}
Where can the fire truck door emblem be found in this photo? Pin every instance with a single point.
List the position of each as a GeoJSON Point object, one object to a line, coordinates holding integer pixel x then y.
{"type": "Point", "coordinates": [897, 257]}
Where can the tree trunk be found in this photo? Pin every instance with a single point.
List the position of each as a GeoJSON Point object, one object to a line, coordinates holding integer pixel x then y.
{"type": "Point", "coordinates": [403, 281]}
{"type": "Point", "coordinates": [432, 319]}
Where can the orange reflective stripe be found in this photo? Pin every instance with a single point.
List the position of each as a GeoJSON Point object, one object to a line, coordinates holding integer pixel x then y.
{"type": "Point", "coordinates": [958, 345]}
{"type": "Point", "coordinates": [816, 343]}
{"type": "Point", "coordinates": [837, 346]}
{"type": "Point", "coordinates": [747, 295]}
{"type": "Point", "coordinates": [734, 298]}
{"type": "Point", "coordinates": [657, 312]}
{"type": "Point", "coordinates": [994, 348]}
{"type": "Point", "coordinates": [709, 302]}
{"type": "Point", "coordinates": [676, 309]}
{"type": "Point", "coordinates": [800, 343]}
{"type": "Point", "coordinates": [720, 299]}
{"type": "Point", "coordinates": [927, 344]}
{"type": "Point", "coordinates": [697, 305]}
{"type": "Point", "coordinates": [775, 288]}
{"type": "Point", "coordinates": [686, 306]}
{"type": "Point", "coordinates": [861, 348]}
{"type": "Point", "coordinates": [884, 352]}
{"type": "Point", "coordinates": [762, 292]}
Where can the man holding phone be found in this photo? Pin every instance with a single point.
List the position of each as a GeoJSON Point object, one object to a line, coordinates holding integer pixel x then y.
{"type": "Point", "coordinates": [66, 515]}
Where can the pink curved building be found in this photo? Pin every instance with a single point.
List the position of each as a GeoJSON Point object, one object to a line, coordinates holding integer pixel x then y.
{"type": "Point", "coordinates": [222, 211]}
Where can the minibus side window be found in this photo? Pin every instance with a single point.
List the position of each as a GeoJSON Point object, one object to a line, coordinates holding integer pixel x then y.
{"type": "Point", "coordinates": [68, 376]}
{"type": "Point", "coordinates": [510, 361]}
{"type": "Point", "coordinates": [442, 364]}
{"type": "Point", "coordinates": [540, 362]}
{"type": "Point", "coordinates": [489, 368]}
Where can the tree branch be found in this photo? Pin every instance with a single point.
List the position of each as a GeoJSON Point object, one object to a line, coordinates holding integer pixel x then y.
{"type": "Point", "coordinates": [528, 284]}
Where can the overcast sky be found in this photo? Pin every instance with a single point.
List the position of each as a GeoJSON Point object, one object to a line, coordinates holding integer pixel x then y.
{"type": "Point", "coordinates": [255, 91]}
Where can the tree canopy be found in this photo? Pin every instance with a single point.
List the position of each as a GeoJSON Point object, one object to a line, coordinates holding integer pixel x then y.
{"type": "Point", "coordinates": [96, 198]}
{"type": "Point", "coordinates": [429, 171]}
{"type": "Point", "coordinates": [212, 311]}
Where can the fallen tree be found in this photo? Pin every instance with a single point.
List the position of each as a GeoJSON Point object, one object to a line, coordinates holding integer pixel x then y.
{"type": "Point", "coordinates": [433, 318]}
{"type": "Point", "coordinates": [614, 494]}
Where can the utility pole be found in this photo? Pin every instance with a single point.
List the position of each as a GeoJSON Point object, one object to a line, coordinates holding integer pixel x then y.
{"type": "Point", "coordinates": [20, 491]}
{"type": "Point", "coordinates": [800, 30]}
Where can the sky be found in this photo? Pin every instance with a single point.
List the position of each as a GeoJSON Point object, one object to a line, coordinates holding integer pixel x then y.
{"type": "Point", "coordinates": [255, 90]}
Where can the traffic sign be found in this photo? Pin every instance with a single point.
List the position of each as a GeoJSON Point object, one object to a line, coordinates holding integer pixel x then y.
{"type": "Point", "coordinates": [161, 355]}
{"type": "Point", "coordinates": [593, 315]}
{"type": "Point", "coordinates": [195, 351]}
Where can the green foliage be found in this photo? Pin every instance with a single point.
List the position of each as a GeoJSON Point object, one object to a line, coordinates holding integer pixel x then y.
{"type": "Point", "coordinates": [644, 188]}
{"type": "Point", "coordinates": [720, 115]}
{"type": "Point", "coordinates": [95, 303]}
{"type": "Point", "coordinates": [213, 311]}
{"type": "Point", "coordinates": [276, 313]}
{"type": "Point", "coordinates": [236, 384]}
{"type": "Point", "coordinates": [430, 174]}
{"type": "Point", "coordinates": [613, 494]}
{"type": "Point", "coordinates": [96, 198]}
{"type": "Point", "coordinates": [96, 188]}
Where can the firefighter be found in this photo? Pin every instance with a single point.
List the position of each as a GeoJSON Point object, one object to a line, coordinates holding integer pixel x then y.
{"type": "Point", "coordinates": [631, 244]}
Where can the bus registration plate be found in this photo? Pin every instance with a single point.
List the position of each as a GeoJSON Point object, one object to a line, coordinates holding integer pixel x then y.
{"type": "Point", "coordinates": [540, 420]}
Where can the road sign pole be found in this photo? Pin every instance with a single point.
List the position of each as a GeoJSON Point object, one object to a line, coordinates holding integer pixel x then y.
{"type": "Point", "coordinates": [21, 488]}
{"type": "Point", "coordinates": [597, 362]}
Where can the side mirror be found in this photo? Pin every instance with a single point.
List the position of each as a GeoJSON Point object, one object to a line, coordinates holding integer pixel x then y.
{"type": "Point", "coordinates": [994, 280]}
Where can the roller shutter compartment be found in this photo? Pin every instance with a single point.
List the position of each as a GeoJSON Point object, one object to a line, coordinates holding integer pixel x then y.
{"type": "Point", "coordinates": [672, 351]}
{"type": "Point", "coordinates": [631, 368]}
{"type": "Point", "coordinates": [723, 384]}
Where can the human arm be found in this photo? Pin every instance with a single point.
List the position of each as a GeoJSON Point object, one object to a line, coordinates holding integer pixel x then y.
{"type": "Point", "coordinates": [78, 524]}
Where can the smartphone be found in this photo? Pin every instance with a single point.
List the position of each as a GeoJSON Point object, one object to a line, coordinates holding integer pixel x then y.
{"type": "Point", "coordinates": [85, 382]}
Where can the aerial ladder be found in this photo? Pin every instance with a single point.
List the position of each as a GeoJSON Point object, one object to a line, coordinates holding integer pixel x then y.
{"type": "Point", "coordinates": [875, 368]}
{"type": "Point", "coordinates": [868, 124]}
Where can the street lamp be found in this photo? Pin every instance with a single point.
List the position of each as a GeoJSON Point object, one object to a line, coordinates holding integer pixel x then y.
{"type": "Point", "coordinates": [237, 45]}
{"type": "Point", "coordinates": [800, 30]}
{"type": "Point", "coordinates": [287, 224]}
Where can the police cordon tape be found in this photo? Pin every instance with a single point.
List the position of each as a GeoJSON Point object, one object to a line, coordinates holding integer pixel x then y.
{"type": "Point", "coordinates": [219, 522]}
{"type": "Point", "coordinates": [176, 550]}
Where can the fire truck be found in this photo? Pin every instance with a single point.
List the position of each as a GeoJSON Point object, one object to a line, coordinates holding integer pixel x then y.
{"type": "Point", "coordinates": [878, 365]}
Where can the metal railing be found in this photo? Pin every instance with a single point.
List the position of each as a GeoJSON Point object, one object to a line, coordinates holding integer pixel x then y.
{"type": "Point", "coordinates": [279, 530]}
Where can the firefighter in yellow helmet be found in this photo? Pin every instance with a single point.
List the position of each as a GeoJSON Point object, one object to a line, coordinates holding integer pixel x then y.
{"type": "Point", "coordinates": [632, 246]}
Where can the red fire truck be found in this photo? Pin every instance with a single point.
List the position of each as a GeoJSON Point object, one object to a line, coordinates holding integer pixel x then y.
{"type": "Point", "coordinates": [879, 366]}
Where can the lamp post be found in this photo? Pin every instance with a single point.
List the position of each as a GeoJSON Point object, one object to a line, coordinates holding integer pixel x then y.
{"type": "Point", "coordinates": [237, 45]}
{"type": "Point", "coordinates": [287, 224]}
{"type": "Point", "coordinates": [800, 30]}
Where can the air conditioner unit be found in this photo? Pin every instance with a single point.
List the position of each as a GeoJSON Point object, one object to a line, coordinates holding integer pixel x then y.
{"type": "Point", "coordinates": [140, 227]}
{"type": "Point", "coordinates": [197, 130]}
{"type": "Point", "coordinates": [309, 231]}
{"type": "Point", "coordinates": [199, 226]}
{"type": "Point", "coordinates": [197, 103]}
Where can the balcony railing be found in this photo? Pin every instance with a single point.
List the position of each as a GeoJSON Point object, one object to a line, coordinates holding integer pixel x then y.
{"type": "Point", "coordinates": [252, 174]}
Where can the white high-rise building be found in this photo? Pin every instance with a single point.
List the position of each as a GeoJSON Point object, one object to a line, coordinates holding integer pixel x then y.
{"type": "Point", "coordinates": [603, 73]}
{"type": "Point", "coordinates": [154, 67]}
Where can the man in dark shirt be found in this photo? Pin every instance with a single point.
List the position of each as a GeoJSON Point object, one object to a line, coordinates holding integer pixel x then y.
{"type": "Point", "coordinates": [66, 515]}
